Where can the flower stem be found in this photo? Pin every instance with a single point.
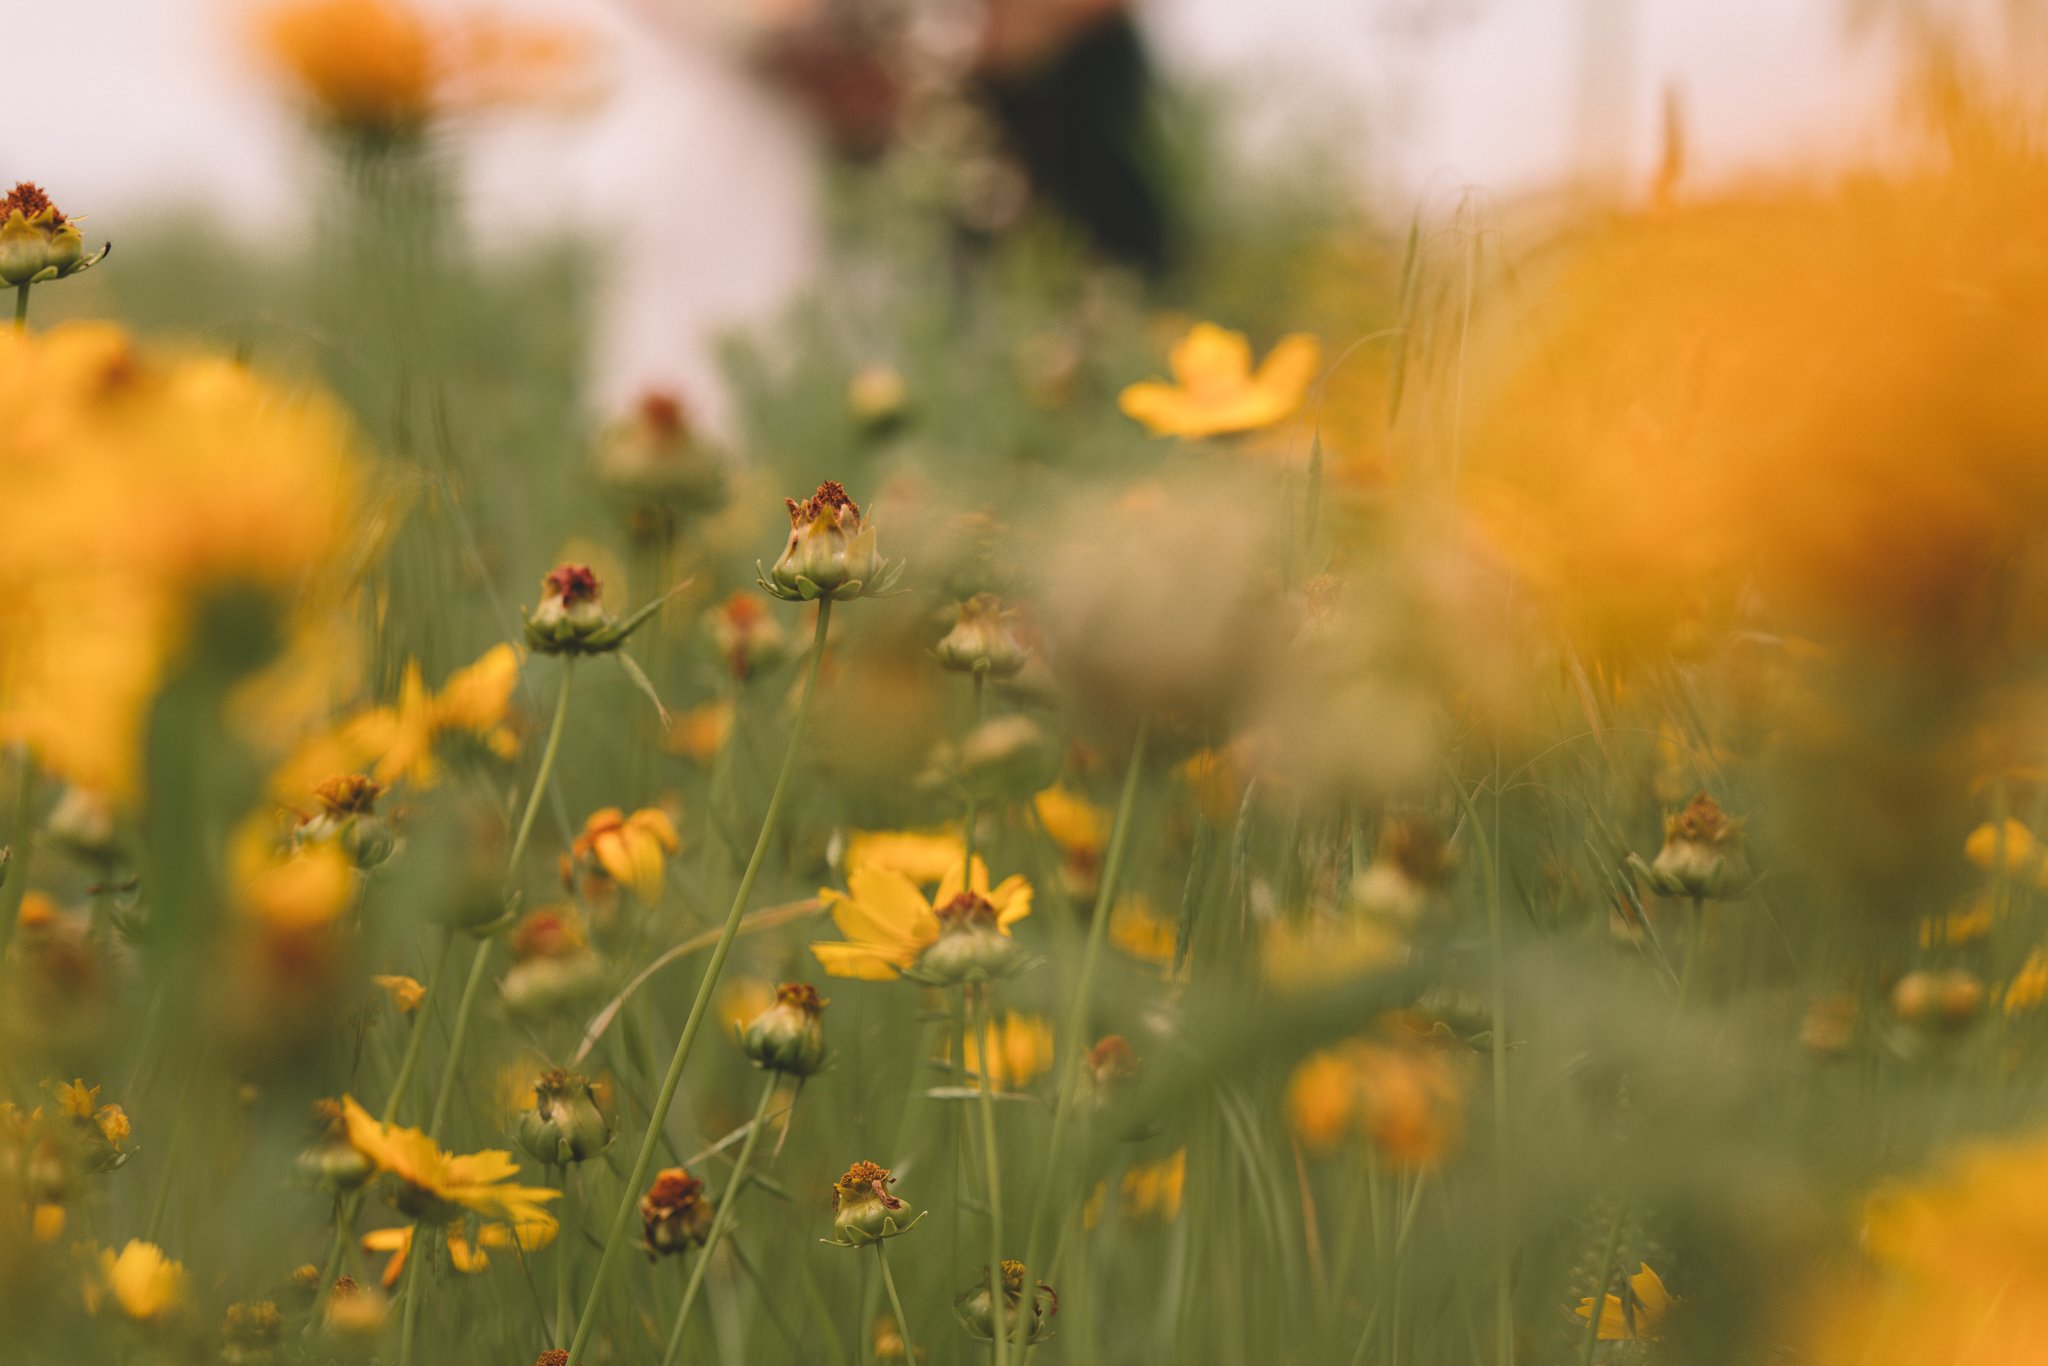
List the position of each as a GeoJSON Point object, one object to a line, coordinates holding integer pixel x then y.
{"type": "Point", "coordinates": [411, 1061]}
{"type": "Point", "coordinates": [999, 1339]}
{"type": "Point", "coordinates": [895, 1303]}
{"type": "Point", "coordinates": [1592, 1339]}
{"type": "Point", "coordinates": [417, 1251]}
{"type": "Point", "coordinates": [473, 986]}
{"type": "Point", "coordinates": [1077, 1014]}
{"type": "Point", "coordinates": [565, 1243]}
{"type": "Point", "coordinates": [720, 1218]}
{"type": "Point", "coordinates": [21, 307]}
{"type": "Point", "coordinates": [973, 796]}
{"type": "Point", "coordinates": [615, 1241]}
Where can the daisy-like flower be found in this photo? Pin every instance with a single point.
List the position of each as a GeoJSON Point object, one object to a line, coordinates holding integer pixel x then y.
{"type": "Point", "coordinates": [470, 1257]}
{"type": "Point", "coordinates": [402, 742]}
{"type": "Point", "coordinates": [1637, 1313]}
{"type": "Point", "coordinates": [1215, 390]}
{"type": "Point", "coordinates": [891, 930]}
{"type": "Point", "coordinates": [629, 850]}
{"type": "Point", "coordinates": [1019, 1049]}
{"type": "Point", "coordinates": [145, 1283]}
{"type": "Point", "coordinates": [438, 1186]}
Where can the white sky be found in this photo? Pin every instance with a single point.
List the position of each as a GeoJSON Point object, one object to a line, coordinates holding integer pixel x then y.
{"type": "Point", "coordinates": [708, 180]}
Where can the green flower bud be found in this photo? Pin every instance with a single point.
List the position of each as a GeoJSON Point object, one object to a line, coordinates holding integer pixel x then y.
{"type": "Point", "coordinates": [971, 945]}
{"type": "Point", "coordinates": [675, 1214]}
{"type": "Point", "coordinates": [1701, 853]}
{"type": "Point", "coordinates": [566, 1123]}
{"type": "Point", "coordinates": [348, 815]}
{"type": "Point", "coordinates": [37, 241]}
{"type": "Point", "coordinates": [789, 1036]}
{"type": "Point", "coordinates": [655, 460]}
{"type": "Point", "coordinates": [981, 641]}
{"type": "Point", "coordinates": [976, 1308]}
{"type": "Point", "coordinates": [830, 553]}
{"type": "Point", "coordinates": [863, 1210]}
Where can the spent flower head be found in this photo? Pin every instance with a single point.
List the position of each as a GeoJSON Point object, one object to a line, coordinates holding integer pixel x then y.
{"type": "Point", "coordinates": [984, 1317]}
{"type": "Point", "coordinates": [863, 1209]}
{"type": "Point", "coordinates": [831, 552]}
{"type": "Point", "coordinates": [38, 242]}
{"type": "Point", "coordinates": [675, 1214]}
{"type": "Point", "coordinates": [789, 1036]}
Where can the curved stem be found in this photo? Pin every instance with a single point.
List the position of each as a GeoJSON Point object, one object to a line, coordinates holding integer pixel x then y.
{"type": "Point", "coordinates": [615, 1241]}
{"type": "Point", "coordinates": [895, 1303]}
{"type": "Point", "coordinates": [999, 1340]}
{"type": "Point", "coordinates": [473, 987]}
{"type": "Point", "coordinates": [1077, 1014]}
{"type": "Point", "coordinates": [411, 1061]}
{"type": "Point", "coordinates": [720, 1218]}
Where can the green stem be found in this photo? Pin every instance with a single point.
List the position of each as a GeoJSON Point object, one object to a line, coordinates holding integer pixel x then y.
{"type": "Point", "coordinates": [895, 1303]}
{"type": "Point", "coordinates": [23, 818]}
{"type": "Point", "coordinates": [1592, 1342]}
{"type": "Point", "coordinates": [173, 1149]}
{"type": "Point", "coordinates": [21, 307]}
{"type": "Point", "coordinates": [720, 1218]}
{"type": "Point", "coordinates": [473, 987]}
{"type": "Point", "coordinates": [410, 1062]}
{"type": "Point", "coordinates": [999, 1342]}
{"type": "Point", "coordinates": [973, 795]}
{"type": "Point", "coordinates": [615, 1241]}
{"type": "Point", "coordinates": [417, 1251]}
{"type": "Point", "coordinates": [1077, 1013]}
{"type": "Point", "coordinates": [565, 1243]}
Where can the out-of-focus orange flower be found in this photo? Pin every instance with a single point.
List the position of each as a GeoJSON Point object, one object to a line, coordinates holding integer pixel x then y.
{"type": "Point", "coordinates": [1020, 1047]}
{"type": "Point", "coordinates": [631, 850]}
{"type": "Point", "coordinates": [381, 66]}
{"type": "Point", "coordinates": [1406, 1099]}
{"type": "Point", "coordinates": [1215, 390]}
{"type": "Point", "coordinates": [405, 992]}
{"type": "Point", "coordinates": [1637, 1314]}
{"type": "Point", "coordinates": [1147, 1191]}
{"type": "Point", "coordinates": [471, 1258]}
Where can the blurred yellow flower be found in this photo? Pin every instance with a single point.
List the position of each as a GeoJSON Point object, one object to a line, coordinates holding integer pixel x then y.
{"type": "Point", "coordinates": [405, 992]}
{"type": "Point", "coordinates": [1405, 1098]}
{"type": "Point", "coordinates": [1078, 826]}
{"type": "Point", "coordinates": [2021, 852]}
{"type": "Point", "coordinates": [1137, 928]}
{"type": "Point", "coordinates": [1639, 1314]}
{"type": "Point", "coordinates": [2029, 986]}
{"type": "Point", "coordinates": [144, 1282]}
{"type": "Point", "coordinates": [438, 1185]}
{"type": "Point", "coordinates": [1316, 951]}
{"type": "Point", "coordinates": [398, 742]}
{"type": "Point", "coordinates": [1215, 389]}
{"type": "Point", "coordinates": [470, 1258]}
{"type": "Point", "coordinates": [295, 889]}
{"type": "Point", "coordinates": [381, 66]}
{"type": "Point", "coordinates": [701, 732]}
{"type": "Point", "coordinates": [1021, 1046]}
{"type": "Point", "coordinates": [923, 856]}
{"type": "Point", "coordinates": [888, 924]}
{"type": "Point", "coordinates": [1146, 1191]}
{"type": "Point", "coordinates": [631, 850]}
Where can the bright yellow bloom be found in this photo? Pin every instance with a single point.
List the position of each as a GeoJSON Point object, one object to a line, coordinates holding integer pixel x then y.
{"type": "Point", "coordinates": [2022, 852]}
{"type": "Point", "coordinates": [888, 924]}
{"type": "Point", "coordinates": [923, 856]}
{"type": "Point", "coordinates": [397, 743]}
{"type": "Point", "coordinates": [437, 1184]}
{"type": "Point", "coordinates": [297, 889]}
{"type": "Point", "coordinates": [1021, 1046]}
{"type": "Point", "coordinates": [145, 1283]}
{"type": "Point", "coordinates": [1077, 825]}
{"type": "Point", "coordinates": [1215, 389]}
{"type": "Point", "coordinates": [469, 1258]}
{"type": "Point", "coordinates": [1141, 931]}
{"type": "Point", "coordinates": [380, 66]}
{"type": "Point", "coordinates": [405, 992]}
{"type": "Point", "coordinates": [632, 850]}
{"type": "Point", "coordinates": [1642, 1316]}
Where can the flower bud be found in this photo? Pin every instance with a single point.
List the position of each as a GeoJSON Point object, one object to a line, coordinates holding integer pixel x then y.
{"type": "Point", "coordinates": [332, 1162]}
{"type": "Point", "coordinates": [37, 242]}
{"type": "Point", "coordinates": [571, 616]}
{"type": "Point", "coordinates": [979, 1316]}
{"type": "Point", "coordinates": [252, 1332]}
{"type": "Point", "coordinates": [789, 1036]}
{"type": "Point", "coordinates": [675, 1214]}
{"type": "Point", "coordinates": [878, 398]}
{"type": "Point", "coordinates": [971, 944]}
{"type": "Point", "coordinates": [749, 640]}
{"type": "Point", "coordinates": [348, 816]}
{"type": "Point", "coordinates": [1701, 846]}
{"type": "Point", "coordinates": [982, 641]}
{"type": "Point", "coordinates": [654, 458]}
{"type": "Point", "coordinates": [863, 1210]}
{"type": "Point", "coordinates": [566, 1124]}
{"type": "Point", "coordinates": [830, 553]}
{"type": "Point", "coordinates": [553, 966]}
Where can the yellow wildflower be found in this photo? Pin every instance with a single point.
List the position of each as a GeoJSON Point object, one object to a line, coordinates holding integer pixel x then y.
{"type": "Point", "coordinates": [1637, 1314]}
{"type": "Point", "coordinates": [433, 1184]}
{"type": "Point", "coordinates": [2029, 986]}
{"type": "Point", "coordinates": [470, 1258]}
{"type": "Point", "coordinates": [1137, 928]}
{"type": "Point", "coordinates": [1019, 1045]}
{"type": "Point", "coordinates": [1077, 825]}
{"type": "Point", "coordinates": [398, 742]}
{"type": "Point", "coordinates": [144, 1282]}
{"type": "Point", "coordinates": [888, 924]}
{"type": "Point", "coordinates": [293, 890]}
{"type": "Point", "coordinates": [1149, 1190]}
{"type": "Point", "coordinates": [701, 732]}
{"type": "Point", "coordinates": [405, 992]}
{"type": "Point", "coordinates": [1404, 1098]}
{"type": "Point", "coordinates": [1215, 389]}
{"type": "Point", "coordinates": [2022, 853]}
{"type": "Point", "coordinates": [923, 856]}
{"type": "Point", "coordinates": [630, 850]}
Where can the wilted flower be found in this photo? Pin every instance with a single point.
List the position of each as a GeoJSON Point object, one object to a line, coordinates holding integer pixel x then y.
{"type": "Point", "coordinates": [37, 242]}
{"type": "Point", "coordinates": [437, 1186]}
{"type": "Point", "coordinates": [1638, 1312]}
{"type": "Point", "coordinates": [1109, 1065]}
{"type": "Point", "coordinates": [863, 1210]}
{"type": "Point", "coordinates": [831, 553]}
{"type": "Point", "coordinates": [553, 965]}
{"type": "Point", "coordinates": [675, 1214]}
{"type": "Point", "coordinates": [565, 1124]}
{"type": "Point", "coordinates": [630, 850]}
{"type": "Point", "coordinates": [348, 817]}
{"type": "Point", "coordinates": [789, 1036]}
{"type": "Point", "coordinates": [893, 931]}
{"type": "Point", "coordinates": [1215, 389]}
{"type": "Point", "coordinates": [982, 641]}
{"type": "Point", "coordinates": [1701, 853]}
{"type": "Point", "coordinates": [978, 1314]}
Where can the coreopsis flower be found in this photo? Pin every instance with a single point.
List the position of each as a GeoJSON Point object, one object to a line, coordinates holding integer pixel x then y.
{"type": "Point", "coordinates": [1148, 1191]}
{"type": "Point", "coordinates": [831, 553]}
{"type": "Point", "coordinates": [103, 1129]}
{"type": "Point", "coordinates": [1081, 830]}
{"type": "Point", "coordinates": [1637, 1313]}
{"type": "Point", "coordinates": [469, 1255]}
{"type": "Point", "coordinates": [2029, 986]}
{"type": "Point", "coordinates": [1303, 954]}
{"type": "Point", "coordinates": [1018, 1049]}
{"type": "Point", "coordinates": [979, 1314]}
{"type": "Point", "coordinates": [1408, 870]}
{"type": "Point", "coordinates": [354, 1311]}
{"type": "Point", "coordinates": [654, 458]}
{"type": "Point", "coordinates": [437, 1186]}
{"type": "Point", "coordinates": [252, 1332]}
{"type": "Point", "coordinates": [145, 1283]}
{"type": "Point", "coordinates": [348, 817]}
{"type": "Point", "coordinates": [631, 851]}
{"type": "Point", "coordinates": [675, 1214]}
{"type": "Point", "coordinates": [888, 1340]}
{"type": "Point", "coordinates": [331, 1161]}
{"type": "Point", "coordinates": [1138, 929]}
{"type": "Point", "coordinates": [892, 931]}
{"type": "Point", "coordinates": [749, 640]}
{"type": "Point", "coordinates": [406, 993]}
{"type": "Point", "coordinates": [382, 68]}
{"type": "Point", "coordinates": [982, 640]}
{"type": "Point", "coordinates": [2009, 847]}
{"type": "Point", "coordinates": [565, 1124]}
{"type": "Point", "coordinates": [571, 619]}
{"type": "Point", "coordinates": [406, 741]}
{"type": "Point", "coordinates": [1951, 997]}
{"type": "Point", "coordinates": [923, 856]}
{"type": "Point", "coordinates": [1405, 1099]}
{"type": "Point", "coordinates": [1701, 853]}
{"type": "Point", "coordinates": [38, 243]}
{"type": "Point", "coordinates": [553, 965]}
{"type": "Point", "coordinates": [863, 1209]}
{"type": "Point", "coordinates": [1215, 390]}
{"type": "Point", "coordinates": [701, 732]}
{"type": "Point", "coordinates": [789, 1036]}
{"type": "Point", "coordinates": [295, 890]}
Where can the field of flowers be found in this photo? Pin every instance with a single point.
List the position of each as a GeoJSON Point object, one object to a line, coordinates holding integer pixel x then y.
{"type": "Point", "coordinates": [1355, 789]}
